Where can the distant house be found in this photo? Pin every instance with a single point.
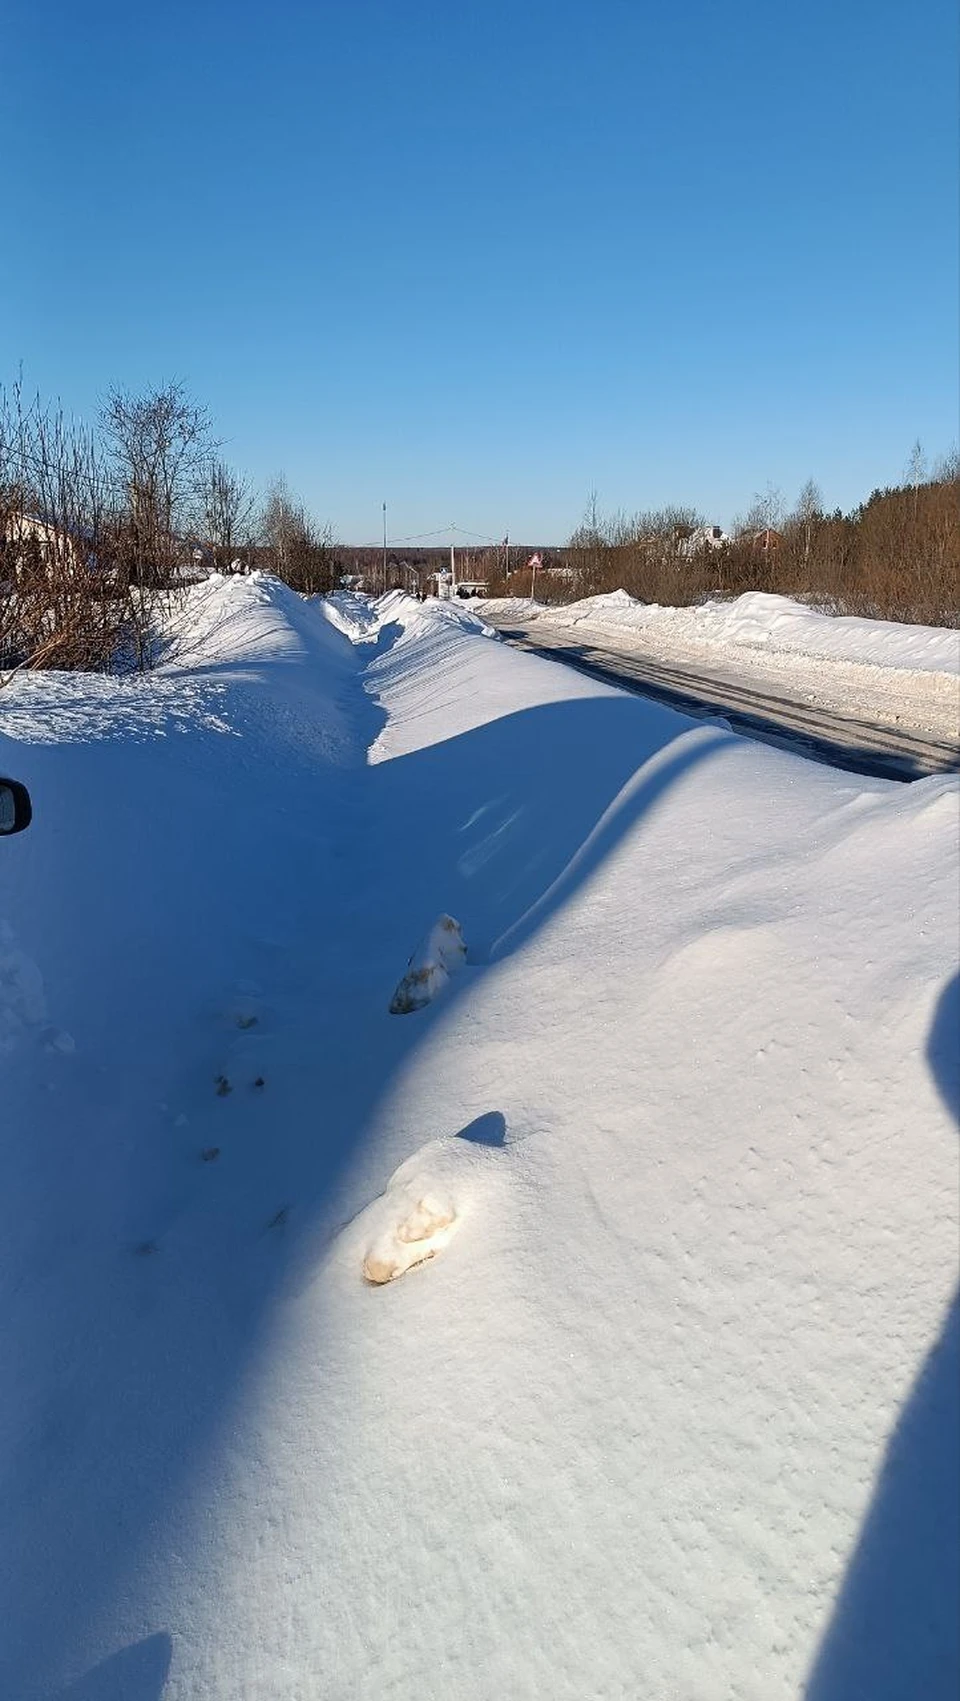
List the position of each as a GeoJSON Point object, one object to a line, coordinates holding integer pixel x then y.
{"type": "Point", "coordinates": [29, 539]}
{"type": "Point", "coordinates": [352, 581]}
{"type": "Point", "coordinates": [694, 539]}
{"type": "Point", "coordinates": [764, 540]}
{"type": "Point", "coordinates": [196, 560]}
{"type": "Point", "coordinates": [444, 587]}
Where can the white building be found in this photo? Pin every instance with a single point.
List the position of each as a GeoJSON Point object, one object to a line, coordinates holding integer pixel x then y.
{"type": "Point", "coordinates": [703, 537]}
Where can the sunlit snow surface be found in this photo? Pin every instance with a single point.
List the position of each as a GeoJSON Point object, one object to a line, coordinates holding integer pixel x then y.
{"type": "Point", "coordinates": [672, 1413]}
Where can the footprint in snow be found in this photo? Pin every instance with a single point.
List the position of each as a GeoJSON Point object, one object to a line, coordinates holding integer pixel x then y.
{"type": "Point", "coordinates": [244, 1057]}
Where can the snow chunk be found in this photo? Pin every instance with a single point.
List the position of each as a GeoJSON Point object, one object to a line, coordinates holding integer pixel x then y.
{"type": "Point", "coordinates": [438, 957]}
{"type": "Point", "coordinates": [421, 1208]}
{"type": "Point", "coordinates": [408, 1234]}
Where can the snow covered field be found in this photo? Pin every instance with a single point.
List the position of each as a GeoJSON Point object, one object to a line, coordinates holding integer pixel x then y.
{"type": "Point", "coordinates": [869, 669]}
{"type": "Point", "coordinates": [672, 1411]}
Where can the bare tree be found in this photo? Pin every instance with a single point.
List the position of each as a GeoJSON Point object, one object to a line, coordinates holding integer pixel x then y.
{"type": "Point", "coordinates": [915, 470]}
{"type": "Point", "coordinates": [226, 511]}
{"type": "Point", "coordinates": [947, 467]}
{"type": "Point", "coordinates": [64, 600]}
{"type": "Point", "coordinates": [283, 525]}
{"type": "Point", "coordinates": [807, 512]}
{"type": "Point", "coordinates": [640, 553]}
{"type": "Point", "coordinates": [302, 551]}
{"type": "Point", "coordinates": [159, 442]}
{"type": "Point", "coordinates": [765, 512]}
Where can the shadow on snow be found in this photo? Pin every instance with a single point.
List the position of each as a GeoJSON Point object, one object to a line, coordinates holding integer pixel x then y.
{"type": "Point", "coordinates": [127, 1366]}
{"type": "Point", "coordinates": [137, 1673]}
{"type": "Point", "coordinates": [893, 1635]}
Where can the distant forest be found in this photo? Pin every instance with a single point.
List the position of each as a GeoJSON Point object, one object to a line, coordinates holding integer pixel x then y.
{"type": "Point", "coordinates": [894, 557]}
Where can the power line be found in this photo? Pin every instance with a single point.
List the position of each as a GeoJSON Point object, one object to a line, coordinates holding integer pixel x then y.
{"type": "Point", "coordinates": [444, 531]}
{"type": "Point", "coordinates": [480, 536]}
{"type": "Point", "coordinates": [419, 537]}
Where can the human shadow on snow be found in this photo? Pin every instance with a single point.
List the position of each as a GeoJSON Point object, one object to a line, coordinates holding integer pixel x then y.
{"type": "Point", "coordinates": [127, 1367]}
{"type": "Point", "coordinates": [893, 1634]}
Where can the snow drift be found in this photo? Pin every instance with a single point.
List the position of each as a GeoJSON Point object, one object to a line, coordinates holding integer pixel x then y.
{"type": "Point", "coordinates": [674, 1413]}
{"type": "Point", "coordinates": [759, 620]}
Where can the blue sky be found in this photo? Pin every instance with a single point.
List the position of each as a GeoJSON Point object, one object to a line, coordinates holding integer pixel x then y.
{"type": "Point", "coordinates": [476, 260]}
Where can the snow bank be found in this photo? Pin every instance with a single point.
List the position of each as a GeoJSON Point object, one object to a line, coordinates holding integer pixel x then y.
{"type": "Point", "coordinates": [674, 1412]}
{"type": "Point", "coordinates": [367, 617]}
{"type": "Point", "coordinates": [759, 620]}
{"type": "Point", "coordinates": [237, 619]}
{"type": "Point", "coordinates": [781, 624]}
{"type": "Point", "coordinates": [413, 616]}
{"type": "Point", "coordinates": [350, 611]}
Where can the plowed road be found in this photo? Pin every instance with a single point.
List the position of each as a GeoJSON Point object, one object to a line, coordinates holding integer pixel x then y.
{"type": "Point", "coordinates": [862, 747]}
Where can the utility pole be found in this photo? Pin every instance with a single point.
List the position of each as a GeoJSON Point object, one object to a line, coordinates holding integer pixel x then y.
{"type": "Point", "coordinates": [453, 571]}
{"type": "Point", "coordinates": [384, 547]}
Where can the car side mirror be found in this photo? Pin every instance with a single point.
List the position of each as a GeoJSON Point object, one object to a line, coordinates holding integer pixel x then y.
{"type": "Point", "coordinates": [16, 810]}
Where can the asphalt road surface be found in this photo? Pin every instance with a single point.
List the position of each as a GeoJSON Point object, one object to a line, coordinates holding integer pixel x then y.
{"type": "Point", "coordinates": [823, 735]}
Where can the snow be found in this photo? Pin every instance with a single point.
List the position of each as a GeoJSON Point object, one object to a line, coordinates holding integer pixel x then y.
{"type": "Point", "coordinates": [436, 958]}
{"type": "Point", "coordinates": [758, 619]}
{"type": "Point", "coordinates": [413, 1221]}
{"type": "Point", "coordinates": [664, 1400]}
{"type": "Point", "coordinates": [868, 668]}
{"type": "Point", "coordinates": [781, 624]}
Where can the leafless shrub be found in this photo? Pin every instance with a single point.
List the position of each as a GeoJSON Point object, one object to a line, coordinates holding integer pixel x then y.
{"type": "Point", "coordinates": [640, 553]}
{"type": "Point", "coordinates": [160, 444]}
{"type": "Point", "coordinates": [64, 600]}
{"type": "Point", "coordinates": [226, 513]}
{"type": "Point", "coordinates": [296, 549]}
{"type": "Point", "coordinates": [99, 532]}
{"type": "Point", "coordinates": [896, 557]}
{"type": "Point", "coordinates": [906, 561]}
